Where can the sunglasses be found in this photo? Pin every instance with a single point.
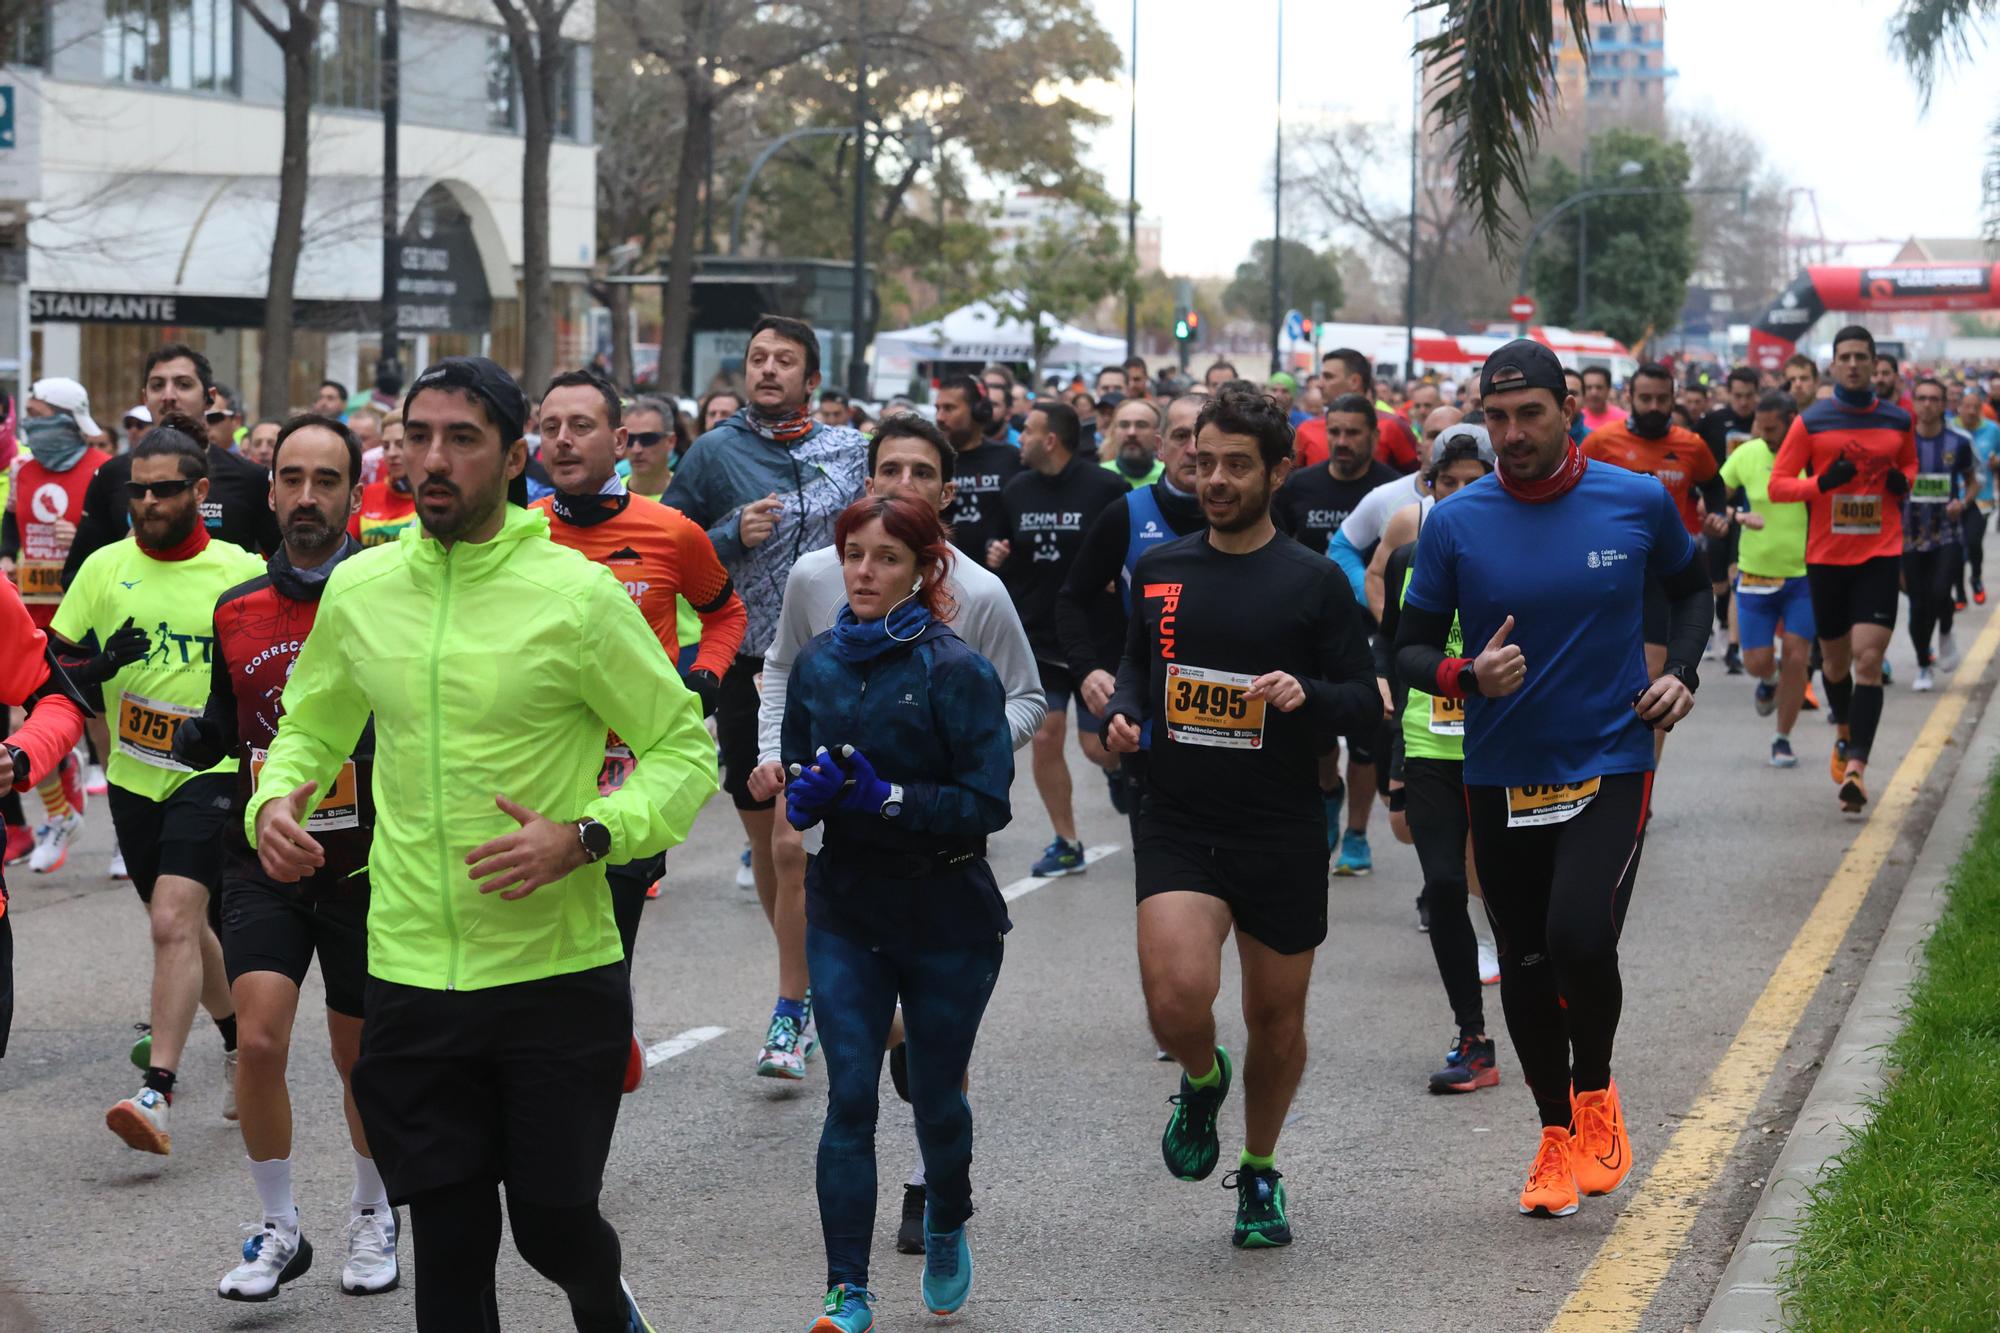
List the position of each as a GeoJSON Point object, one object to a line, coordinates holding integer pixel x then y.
{"type": "Point", "coordinates": [645, 439]}
{"type": "Point", "coordinates": [165, 490]}
{"type": "Point", "coordinates": [214, 417]}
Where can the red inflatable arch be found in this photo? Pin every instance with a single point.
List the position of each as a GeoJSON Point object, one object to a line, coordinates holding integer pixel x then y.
{"type": "Point", "coordinates": [1824, 287]}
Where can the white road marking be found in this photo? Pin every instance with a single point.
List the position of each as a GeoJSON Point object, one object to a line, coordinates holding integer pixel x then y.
{"type": "Point", "coordinates": [661, 1052]}
{"type": "Point", "coordinates": [1021, 888]}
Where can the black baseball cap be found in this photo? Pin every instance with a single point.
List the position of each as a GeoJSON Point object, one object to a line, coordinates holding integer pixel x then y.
{"type": "Point", "coordinates": [1523, 364]}
{"type": "Point", "coordinates": [483, 378]}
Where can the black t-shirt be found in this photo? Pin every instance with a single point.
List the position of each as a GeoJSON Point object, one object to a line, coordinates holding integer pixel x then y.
{"type": "Point", "coordinates": [1046, 518]}
{"type": "Point", "coordinates": [1227, 771]}
{"type": "Point", "coordinates": [976, 517]}
{"type": "Point", "coordinates": [1312, 504]}
{"type": "Point", "coordinates": [238, 508]}
{"type": "Point", "coordinates": [1090, 613]}
{"type": "Point", "coordinates": [1720, 428]}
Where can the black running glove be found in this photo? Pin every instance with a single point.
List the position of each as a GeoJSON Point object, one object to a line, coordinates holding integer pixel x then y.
{"type": "Point", "coordinates": [1838, 473]}
{"type": "Point", "coordinates": [126, 645]}
{"type": "Point", "coordinates": [1895, 482]}
{"type": "Point", "coordinates": [706, 688]}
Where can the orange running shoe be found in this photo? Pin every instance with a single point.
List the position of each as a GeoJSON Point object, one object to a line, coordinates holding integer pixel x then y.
{"type": "Point", "coordinates": [1551, 1187]}
{"type": "Point", "coordinates": [1853, 796]}
{"type": "Point", "coordinates": [1811, 701]}
{"type": "Point", "coordinates": [1602, 1153]}
{"type": "Point", "coordinates": [1838, 764]}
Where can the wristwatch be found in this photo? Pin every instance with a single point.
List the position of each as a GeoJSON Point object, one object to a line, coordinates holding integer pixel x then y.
{"type": "Point", "coordinates": [893, 806]}
{"type": "Point", "coordinates": [1468, 681]}
{"type": "Point", "coordinates": [20, 764]}
{"type": "Point", "coordinates": [1685, 674]}
{"type": "Point", "coordinates": [596, 839]}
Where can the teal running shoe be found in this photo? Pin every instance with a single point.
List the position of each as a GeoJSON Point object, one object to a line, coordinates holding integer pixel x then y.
{"type": "Point", "coordinates": [1355, 859]}
{"type": "Point", "coordinates": [1190, 1145]}
{"type": "Point", "coordinates": [1260, 1208]}
{"type": "Point", "coordinates": [845, 1311]}
{"type": "Point", "coordinates": [947, 1268]}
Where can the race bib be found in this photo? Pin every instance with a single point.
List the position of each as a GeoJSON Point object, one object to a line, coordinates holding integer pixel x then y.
{"type": "Point", "coordinates": [1931, 488]}
{"type": "Point", "coordinates": [338, 809]}
{"type": "Point", "coordinates": [618, 765]}
{"type": "Point", "coordinates": [40, 581]}
{"type": "Point", "coordinates": [1211, 708]}
{"type": "Point", "coordinates": [1558, 803]}
{"type": "Point", "coordinates": [1758, 585]}
{"type": "Point", "coordinates": [146, 729]}
{"type": "Point", "coordinates": [1857, 515]}
{"type": "Point", "coordinates": [1447, 716]}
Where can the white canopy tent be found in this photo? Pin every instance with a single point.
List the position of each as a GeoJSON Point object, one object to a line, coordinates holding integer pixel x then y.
{"type": "Point", "coordinates": [979, 332]}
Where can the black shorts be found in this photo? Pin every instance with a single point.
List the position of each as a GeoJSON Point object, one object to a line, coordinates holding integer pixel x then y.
{"type": "Point", "coordinates": [736, 730]}
{"type": "Point", "coordinates": [1060, 685]}
{"type": "Point", "coordinates": [181, 835]}
{"type": "Point", "coordinates": [512, 1084]}
{"type": "Point", "coordinates": [270, 927]}
{"type": "Point", "coordinates": [1844, 596]}
{"type": "Point", "coordinates": [1277, 895]}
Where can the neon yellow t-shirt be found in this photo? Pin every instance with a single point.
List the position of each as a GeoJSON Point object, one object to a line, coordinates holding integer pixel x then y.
{"type": "Point", "coordinates": [1778, 549]}
{"type": "Point", "coordinates": [174, 602]}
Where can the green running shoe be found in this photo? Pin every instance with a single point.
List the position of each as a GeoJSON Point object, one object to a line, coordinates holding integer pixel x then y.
{"type": "Point", "coordinates": [142, 1049]}
{"type": "Point", "coordinates": [1260, 1209]}
{"type": "Point", "coordinates": [1190, 1145]}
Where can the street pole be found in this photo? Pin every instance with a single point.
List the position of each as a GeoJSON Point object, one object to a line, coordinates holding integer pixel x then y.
{"type": "Point", "coordinates": [1132, 201]}
{"type": "Point", "coordinates": [857, 309]}
{"type": "Point", "coordinates": [1278, 200]}
{"type": "Point", "coordinates": [388, 361]}
{"type": "Point", "coordinates": [1582, 246]}
{"type": "Point", "coordinates": [1410, 275]}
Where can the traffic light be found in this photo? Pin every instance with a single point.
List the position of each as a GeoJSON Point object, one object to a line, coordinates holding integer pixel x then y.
{"type": "Point", "coordinates": [1193, 323]}
{"type": "Point", "coordinates": [1306, 328]}
{"type": "Point", "coordinates": [1183, 329]}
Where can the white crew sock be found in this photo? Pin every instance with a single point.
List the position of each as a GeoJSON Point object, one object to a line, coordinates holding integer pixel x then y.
{"type": "Point", "coordinates": [274, 1187]}
{"type": "Point", "coordinates": [369, 1191]}
{"type": "Point", "coordinates": [1482, 929]}
{"type": "Point", "coordinates": [917, 1173]}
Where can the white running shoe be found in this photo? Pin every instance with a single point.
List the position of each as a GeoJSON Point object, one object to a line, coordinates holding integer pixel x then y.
{"type": "Point", "coordinates": [229, 1084]}
{"type": "Point", "coordinates": [745, 879]}
{"type": "Point", "coordinates": [371, 1265]}
{"type": "Point", "coordinates": [1947, 656]}
{"type": "Point", "coordinates": [141, 1120]}
{"type": "Point", "coordinates": [1489, 965]}
{"type": "Point", "coordinates": [1923, 683]}
{"type": "Point", "coordinates": [52, 842]}
{"type": "Point", "coordinates": [118, 870]}
{"type": "Point", "coordinates": [271, 1258]}
{"type": "Point", "coordinates": [93, 780]}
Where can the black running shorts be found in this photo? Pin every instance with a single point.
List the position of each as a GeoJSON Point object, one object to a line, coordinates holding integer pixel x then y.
{"type": "Point", "coordinates": [1277, 895]}
{"type": "Point", "coordinates": [1844, 596]}
{"type": "Point", "coordinates": [736, 730]}
{"type": "Point", "coordinates": [270, 927]}
{"type": "Point", "coordinates": [181, 835]}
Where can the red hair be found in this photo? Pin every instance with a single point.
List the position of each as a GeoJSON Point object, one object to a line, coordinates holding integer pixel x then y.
{"type": "Point", "coordinates": [916, 526]}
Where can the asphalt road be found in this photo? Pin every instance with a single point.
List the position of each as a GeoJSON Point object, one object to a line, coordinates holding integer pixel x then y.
{"type": "Point", "coordinates": [1403, 1203]}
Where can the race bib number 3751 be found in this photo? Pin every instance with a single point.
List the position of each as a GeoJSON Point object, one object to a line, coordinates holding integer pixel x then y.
{"type": "Point", "coordinates": [1213, 708]}
{"type": "Point", "coordinates": [146, 729]}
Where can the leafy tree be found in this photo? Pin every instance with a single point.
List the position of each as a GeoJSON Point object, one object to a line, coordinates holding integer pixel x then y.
{"type": "Point", "coordinates": [1062, 268]}
{"type": "Point", "coordinates": [1934, 34]}
{"type": "Point", "coordinates": [1305, 276]}
{"type": "Point", "coordinates": [1641, 247]}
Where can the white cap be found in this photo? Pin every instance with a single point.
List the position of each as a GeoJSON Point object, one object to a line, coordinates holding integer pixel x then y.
{"type": "Point", "coordinates": [68, 396]}
{"type": "Point", "coordinates": [141, 414]}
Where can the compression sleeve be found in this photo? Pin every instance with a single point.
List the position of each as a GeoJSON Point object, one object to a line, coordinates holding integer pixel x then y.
{"type": "Point", "coordinates": [1351, 564]}
{"type": "Point", "coordinates": [1692, 606]}
{"type": "Point", "coordinates": [203, 747]}
{"type": "Point", "coordinates": [1420, 656]}
{"type": "Point", "coordinates": [1099, 561]}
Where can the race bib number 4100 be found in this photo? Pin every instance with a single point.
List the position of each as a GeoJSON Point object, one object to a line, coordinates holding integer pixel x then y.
{"type": "Point", "coordinates": [1213, 708]}
{"type": "Point", "coordinates": [1553, 803]}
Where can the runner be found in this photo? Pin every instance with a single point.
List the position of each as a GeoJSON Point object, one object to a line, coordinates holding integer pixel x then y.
{"type": "Point", "coordinates": [982, 468]}
{"type": "Point", "coordinates": [1357, 543]}
{"type": "Point", "coordinates": [1862, 454]}
{"type": "Point", "coordinates": [498, 1011]}
{"type": "Point", "coordinates": [1722, 428]}
{"type": "Point", "coordinates": [1985, 436]}
{"type": "Point", "coordinates": [270, 931]}
{"type": "Point", "coordinates": [1049, 507]}
{"type": "Point", "coordinates": [653, 440]}
{"type": "Point", "coordinates": [656, 554]}
{"type": "Point", "coordinates": [147, 605]}
{"type": "Point", "coordinates": [47, 500]}
{"type": "Point", "coordinates": [1933, 529]}
{"type": "Point", "coordinates": [1345, 371]}
{"type": "Point", "coordinates": [1433, 783]}
{"type": "Point", "coordinates": [1545, 565]}
{"type": "Point", "coordinates": [900, 900]}
{"type": "Point", "coordinates": [1598, 411]}
{"type": "Point", "coordinates": [1247, 656]}
{"type": "Point", "coordinates": [1311, 505]}
{"type": "Point", "coordinates": [1135, 443]}
{"type": "Point", "coordinates": [767, 484]}
{"type": "Point", "coordinates": [387, 506]}
{"type": "Point", "coordinates": [1801, 381]}
{"type": "Point", "coordinates": [1771, 588]}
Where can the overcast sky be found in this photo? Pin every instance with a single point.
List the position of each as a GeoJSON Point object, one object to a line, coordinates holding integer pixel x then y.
{"type": "Point", "coordinates": [1814, 79]}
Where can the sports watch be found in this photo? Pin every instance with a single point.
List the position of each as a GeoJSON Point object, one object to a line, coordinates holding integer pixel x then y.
{"type": "Point", "coordinates": [596, 839]}
{"type": "Point", "coordinates": [893, 805]}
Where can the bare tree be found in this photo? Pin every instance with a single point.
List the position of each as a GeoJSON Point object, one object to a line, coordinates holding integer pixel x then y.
{"type": "Point", "coordinates": [534, 37]}
{"type": "Point", "coordinates": [296, 40]}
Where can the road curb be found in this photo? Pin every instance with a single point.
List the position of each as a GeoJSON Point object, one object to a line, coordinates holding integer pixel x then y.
{"type": "Point", "coordinates": [1747, 1299]}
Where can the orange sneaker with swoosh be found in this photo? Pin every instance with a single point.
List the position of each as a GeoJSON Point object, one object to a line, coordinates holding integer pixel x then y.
{"type": "Point", "coordinates": [1602, 1153]}
{"type": "Point", "coordinates": [1551, 1187]}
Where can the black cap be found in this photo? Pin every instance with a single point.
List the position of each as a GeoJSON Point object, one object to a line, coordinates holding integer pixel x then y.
{"type": "Point", "coordinates": [1523, 364]}
{"type": "Point", "coordinates": [1110, 400]}
{"type": "Point", "coordinates": [484, 379]}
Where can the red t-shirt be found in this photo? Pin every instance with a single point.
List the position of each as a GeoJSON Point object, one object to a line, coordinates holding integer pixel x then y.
{"type": "Point", "coordinates": [1680, 460]}
{"type": "Point", "coordinates": [1394, 444]}
{"type": "Point", "coordinates": [385, 512]}
{"type": "Point", "coordinates": [1862, 519]}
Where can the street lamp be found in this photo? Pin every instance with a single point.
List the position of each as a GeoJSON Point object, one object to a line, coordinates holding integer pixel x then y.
{"type": "Point", "coordinates": [1742, 193]}
{"type": "Point", "coordinates": [1626, 170]}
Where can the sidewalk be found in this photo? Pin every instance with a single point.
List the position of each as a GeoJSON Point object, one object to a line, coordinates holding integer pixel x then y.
{"type": "Point", "coordinates": [1748, 1297]}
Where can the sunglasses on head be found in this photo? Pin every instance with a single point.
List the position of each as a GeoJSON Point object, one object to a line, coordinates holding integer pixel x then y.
{"type": "Point", "coordinates": [214, 416]}
{"type": "Point", "coordinates": [646, 438]}
{"type": "Point", "coordinates": [165, 490]}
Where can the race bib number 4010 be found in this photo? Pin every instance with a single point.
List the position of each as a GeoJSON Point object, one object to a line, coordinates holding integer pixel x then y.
{"type": "Point", "coordinates": [1213, 708]}
{"type": "Point", "coordinates": [1857, 515]}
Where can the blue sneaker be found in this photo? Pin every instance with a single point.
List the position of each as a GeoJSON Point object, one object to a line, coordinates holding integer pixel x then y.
{"type": "Point", "coordinates": [1354, 856]}
{"type": "Point", "coordinates": [845, 1311]}
{"type": "Point", "coordinates": [1781, 753]}
{"type": "Point", "coordinates": [947, 1268]}
{"type": "Point", "coordinates": [1059, 858]}
{"type": "Point", "coordinates": [1767, 698]}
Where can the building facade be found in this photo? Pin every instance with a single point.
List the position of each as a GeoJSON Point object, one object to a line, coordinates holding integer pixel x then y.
{"type": "Point", "coordinates": [1626, 73]}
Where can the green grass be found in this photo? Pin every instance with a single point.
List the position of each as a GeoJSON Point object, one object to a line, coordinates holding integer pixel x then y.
{"type": "Point", "coordinates": [1905, 1232]}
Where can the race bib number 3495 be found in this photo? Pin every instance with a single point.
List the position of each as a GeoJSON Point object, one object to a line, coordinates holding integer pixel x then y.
{"type": "Point", "coordinates": [1213, 708]}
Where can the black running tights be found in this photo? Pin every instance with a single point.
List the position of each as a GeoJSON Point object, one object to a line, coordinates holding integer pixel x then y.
{"type": "Point", "coordinates": [1557, 894]}
{"type": "Point", "coordinates": [1435, 810]}
{"type": "Point", "coordinates": [457, 1235]}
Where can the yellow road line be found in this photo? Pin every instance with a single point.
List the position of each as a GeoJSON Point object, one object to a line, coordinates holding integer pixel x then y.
{"type": "Point", "coordinates": [1633, 1261]}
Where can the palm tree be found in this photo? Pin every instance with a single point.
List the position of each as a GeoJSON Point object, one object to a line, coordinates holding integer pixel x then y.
{"type": "Point", "coordinates": [1931, 34]}
{"type": "Point", "coordinates": [1493, 65]}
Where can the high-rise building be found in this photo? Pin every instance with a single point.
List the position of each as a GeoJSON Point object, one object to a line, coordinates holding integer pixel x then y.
{"type": "Point", "coordinates": [1626, 73]}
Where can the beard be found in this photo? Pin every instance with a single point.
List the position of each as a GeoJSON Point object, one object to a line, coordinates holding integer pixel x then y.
{"type": "Point", "coordinates": [307, 530]}
{"type": "Point", "coordinates": [461, 515]}
{"type": "Point", "coordinates": [167, 531]}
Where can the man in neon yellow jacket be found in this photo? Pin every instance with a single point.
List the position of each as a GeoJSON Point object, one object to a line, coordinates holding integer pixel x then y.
{"type": "Point", "coordinates": [497, 1011]}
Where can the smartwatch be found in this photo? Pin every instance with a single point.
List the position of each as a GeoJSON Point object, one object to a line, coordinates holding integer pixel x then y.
{"type": "Point", "coordinates": [596, 839]}
{"type": "Point", "coordinates": [1468, 681]}
{"type": "Point", "coordinates": [893, 806]}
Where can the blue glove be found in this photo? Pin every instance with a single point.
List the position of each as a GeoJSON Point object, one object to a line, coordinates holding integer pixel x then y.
{"type": "Point", "coordinates": [868, 792]}
{"type": "Point", "coordinates": [812, 791]}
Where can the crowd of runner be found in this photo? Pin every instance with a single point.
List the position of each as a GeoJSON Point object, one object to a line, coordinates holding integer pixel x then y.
{"type": "Point", "coordinates": [1272, 607]}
